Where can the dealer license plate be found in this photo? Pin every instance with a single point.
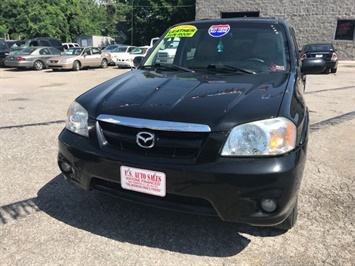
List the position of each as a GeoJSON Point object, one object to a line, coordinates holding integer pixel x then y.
{"type": "Point", "coordinates": [144, 181]}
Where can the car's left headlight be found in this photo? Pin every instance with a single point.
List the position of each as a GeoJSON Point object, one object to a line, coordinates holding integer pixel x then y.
{"type": "Point", "coordinates": [273, 136]}
{"type": "Point", "coordinates": [77, 119]}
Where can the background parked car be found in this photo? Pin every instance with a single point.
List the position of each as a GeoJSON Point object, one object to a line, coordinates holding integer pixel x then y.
{"type": "Point", "coordinates": [39, 41]}
{"type": "Point", "coordinates": [121, 53]}
{"type": "Point", "coordinates": [322, 50]}
{"type": "Point", "coordinates": [77, 58]}
{"type": "Point", "coordinates": [68, 45]}
{"type": "Point", "coordinates": [31, 57]}
{"type": "Point", "coordinates": [111, 47]}
{"type": "Point", "coordinates": [138, 51]}
{"type": "Point", "coordinates": [5, 48]}
{"type": "Point", "coordinates": [167, 54]}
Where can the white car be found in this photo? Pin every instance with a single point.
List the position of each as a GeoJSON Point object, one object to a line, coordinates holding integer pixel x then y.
{"type": "Point", "coordinates": [128, 61]}
{"type": "Point", "coordinates": [121, 53]}
{"type": "Point", "coordinates": [167, 52]}
{"type": "Point", "coordinates": [67, 45]}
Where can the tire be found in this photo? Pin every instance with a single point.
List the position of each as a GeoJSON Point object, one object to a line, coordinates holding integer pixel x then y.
{"type": "Point", "coordinates": [334, 70]}
{"type": "Point", "coordinates": [76, 66]}
{"type": "Point", "coordinates": [38, 65]}
{"type": "Point", "coordinates": [104, 63]}
{"type": "Point", "coordinates": [290, 220]}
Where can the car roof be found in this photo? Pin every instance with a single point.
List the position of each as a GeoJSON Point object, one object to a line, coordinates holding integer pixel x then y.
{"type": "Point", "coordinates": [243, 19]}
{"type": "Point", "coordinates": [323, 43]}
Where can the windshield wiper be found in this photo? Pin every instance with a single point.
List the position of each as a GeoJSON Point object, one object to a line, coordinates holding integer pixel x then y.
{"type": "Point", "coordinates": [231, 68]}
{"type": "Point", "coordinates": [170, 66]}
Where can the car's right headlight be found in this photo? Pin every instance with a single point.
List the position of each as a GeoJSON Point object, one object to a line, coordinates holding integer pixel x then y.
{"type": "Point", "coordinates": [273, 136]}
{"type": "Point", "coordinates": [77, 119]}
{"type": "Point", "coordinates": [62, 61]}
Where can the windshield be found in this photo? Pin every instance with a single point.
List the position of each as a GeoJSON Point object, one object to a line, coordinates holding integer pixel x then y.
{"type": "Point", "coordinates": [110, 48]}
{"type": "Point", "coordinates": [246, 46]}
{"type": "Point", "coordinates": [120, 49]}
{"type": "Point", "coordinates": [139, 50]}
{"type": "Point", "coordinates": [319, 47]}
{"type": "Point", "coordinates": [73, 51]}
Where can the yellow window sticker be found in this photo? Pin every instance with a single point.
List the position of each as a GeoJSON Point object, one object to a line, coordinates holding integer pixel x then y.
{"type": "Point", "coordinates": [181, 31]}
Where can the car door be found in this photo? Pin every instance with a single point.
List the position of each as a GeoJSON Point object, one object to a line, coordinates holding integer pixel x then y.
{"type": "Point", "coordinates": [86, 59]}
{"type": "Point", "coordinates": [44, 53]}
{"type": "Point", "coordinates": [96, 56]}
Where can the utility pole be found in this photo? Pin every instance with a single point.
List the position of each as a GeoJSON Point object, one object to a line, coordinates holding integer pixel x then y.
{"type": "Point", "coordinates": [132, 23]}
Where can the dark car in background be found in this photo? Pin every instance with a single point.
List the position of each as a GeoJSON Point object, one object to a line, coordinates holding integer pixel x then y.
{"type": "Point", "coordinates": [31, 57]}
{"type": "Point", "coordinates": [322, 50]}
{"type": "Point", "coordinates": [217, 130]}
{"type": "Point", "coordinates": [5, 48]}
{"type": "Point", "coordinates": [39, 41]}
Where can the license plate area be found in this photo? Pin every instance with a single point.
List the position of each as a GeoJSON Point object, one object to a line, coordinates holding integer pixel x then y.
{"type": "Point", "coordinates": [143, 181]}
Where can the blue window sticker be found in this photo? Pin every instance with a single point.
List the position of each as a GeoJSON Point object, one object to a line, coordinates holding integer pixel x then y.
{"type": "Point", "coordinates": [218, 30]}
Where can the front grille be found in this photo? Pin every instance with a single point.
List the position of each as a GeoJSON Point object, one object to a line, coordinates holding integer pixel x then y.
{"type": "Point", "coordinates": [162, 55]}
{"type": "Point", "coordinates": [168, 144]}
{"type": "Point", "coordinates": [53, 61]}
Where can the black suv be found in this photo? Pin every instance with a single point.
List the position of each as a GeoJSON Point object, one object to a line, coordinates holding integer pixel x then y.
{"type": "Point", "coordinates": [39, 41]}
{"type": "Point", "coordinates": [5, 48]}
{"type": "Point", "coordinates": [221, 128]}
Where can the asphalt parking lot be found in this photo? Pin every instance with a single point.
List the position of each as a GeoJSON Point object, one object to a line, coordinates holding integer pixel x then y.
{"type": "Point", "coordinates": [46, 221]}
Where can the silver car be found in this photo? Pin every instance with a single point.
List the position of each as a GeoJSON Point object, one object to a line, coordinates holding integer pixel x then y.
{"type": "Point", "coordinates": [31, 57]}
{"type": "Point", "coordinates": [77, 58]}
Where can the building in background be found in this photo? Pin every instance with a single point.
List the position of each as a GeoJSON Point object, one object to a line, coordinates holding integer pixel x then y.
{"type": "Point", "coordinates": [315, 21]}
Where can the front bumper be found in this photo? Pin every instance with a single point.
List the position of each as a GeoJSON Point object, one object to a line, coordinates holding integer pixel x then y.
{"type": "Point", "coordinates": [231, 188]}
{"type": "Point", "coordinates": [60, 66]}
{"type": "Point", "coordinates": [124, 63]}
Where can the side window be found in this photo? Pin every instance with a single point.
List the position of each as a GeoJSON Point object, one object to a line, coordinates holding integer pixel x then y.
{"type": "Point", "coordinates": [45, 51]}
{"type": "Point", "coordinates": [54, 43]}
{"type": "Point", "coordinates": [34, 43]}
{"type": "Point", "coordinates": [44, 43]}
{"type": "Point", "coordinates": [95, 51]}
{"type": "Point", "coordinates": [54, 51]}
{"type": "Point", "coordinates": [87, 51]}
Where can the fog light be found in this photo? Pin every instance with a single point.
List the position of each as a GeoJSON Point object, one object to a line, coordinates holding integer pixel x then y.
{"type": "Point", "coordinates": [268, 205]}
{"type": "Point", "coordinates": [65, 167]}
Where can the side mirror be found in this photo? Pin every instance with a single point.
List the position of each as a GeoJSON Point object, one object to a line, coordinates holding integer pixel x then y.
{"type": "Point", "coordinates": [137, 60]}
{"type": "Point", "coordinates": [313, 66]}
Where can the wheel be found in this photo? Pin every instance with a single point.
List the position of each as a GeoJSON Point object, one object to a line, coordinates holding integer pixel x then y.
{"type": "Point", "coordinates": [334, 70]}
{"type": "Point", "coordinates": [290, 220]}
{"type": "Point", "coordinates": [76, 65]}
{"type": "Point", "coordinates": [38, 65]}
{"type": "Point", "coordinates": [104, 63]}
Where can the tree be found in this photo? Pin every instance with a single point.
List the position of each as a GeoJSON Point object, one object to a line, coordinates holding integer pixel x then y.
{"type": "Point", "coordinates": [152, 19]}
{"type": "Point", "coordinates": [62, 19]}
{"type": "Point", "coordinates": [139, 20]}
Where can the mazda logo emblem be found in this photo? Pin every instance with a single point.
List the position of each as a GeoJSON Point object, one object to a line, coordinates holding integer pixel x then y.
{"type": "Point", "coordinates": [145, 139]}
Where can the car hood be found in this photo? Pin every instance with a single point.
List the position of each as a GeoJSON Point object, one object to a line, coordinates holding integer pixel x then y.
{"type": "Point", "coordinates": [219, 100]}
